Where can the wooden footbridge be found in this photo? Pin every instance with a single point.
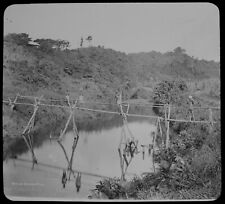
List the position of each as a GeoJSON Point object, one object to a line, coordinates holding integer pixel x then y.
{"type": "Point", "coordinates": [128, 145]}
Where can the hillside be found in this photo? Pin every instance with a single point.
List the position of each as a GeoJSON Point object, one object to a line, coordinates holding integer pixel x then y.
{"type": "Point", "coordinates": [30, 68]}
{"type": "Point", "coordinates": [53, 71]}
{"type": "Point", "coordinates": [201, 76]}
{"type": "Point", "coordinates": [173, 64]}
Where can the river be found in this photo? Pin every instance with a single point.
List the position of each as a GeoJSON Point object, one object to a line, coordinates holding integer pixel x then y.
{"type": "Point", "coordinates": [96, 154]}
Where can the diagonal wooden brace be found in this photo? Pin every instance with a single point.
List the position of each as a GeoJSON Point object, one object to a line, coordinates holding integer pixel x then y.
{"type": "Point", "coordinates": [76, 136]}
{"type": "Point", "coordinates": [28, 128]}
{"type": "Point", "coordinates": [12, 104]}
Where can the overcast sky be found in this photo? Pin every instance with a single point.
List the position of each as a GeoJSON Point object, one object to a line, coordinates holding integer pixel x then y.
{"type": "Point", "coordinates": [127, 27]}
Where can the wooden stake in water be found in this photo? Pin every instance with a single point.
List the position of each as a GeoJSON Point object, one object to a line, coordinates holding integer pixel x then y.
{"type": "Point", "coordinates": [154, 143]}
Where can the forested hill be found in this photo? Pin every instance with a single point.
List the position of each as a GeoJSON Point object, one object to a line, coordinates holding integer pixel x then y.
{"type": "Point", "coordinates": [46, 67]}
{"type": "Point", "coordinates": [174, 63]}
{"type": "Point", "coordinates": [49, 67]}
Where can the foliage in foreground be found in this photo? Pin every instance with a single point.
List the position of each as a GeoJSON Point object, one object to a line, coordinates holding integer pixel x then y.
{"type": "Point", "coordinates": [189, 169]}
{"type": "Point", "coordinates": [179, 182]}
{"type": "Point", "coordinates": [195, 178]}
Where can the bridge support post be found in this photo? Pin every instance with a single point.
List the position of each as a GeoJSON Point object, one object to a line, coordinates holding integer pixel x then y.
{"type": "Point", "coordinates": [210, 121]}
{"type": "Point", "coordinates": [168, 129]}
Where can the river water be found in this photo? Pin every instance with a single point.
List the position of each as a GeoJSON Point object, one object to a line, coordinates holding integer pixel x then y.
{"type": "Point", "coordinates": [96, 154]}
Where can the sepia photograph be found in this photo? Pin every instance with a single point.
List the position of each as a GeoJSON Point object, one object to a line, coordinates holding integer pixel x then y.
{"type": "Point", "coordinates": [111, 102]}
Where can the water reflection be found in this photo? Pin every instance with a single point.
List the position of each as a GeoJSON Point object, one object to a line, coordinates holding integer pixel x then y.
{"type": "Point", "coordinates": [18, 146]}
{"type": "Point", "coordinates": [96, 154]}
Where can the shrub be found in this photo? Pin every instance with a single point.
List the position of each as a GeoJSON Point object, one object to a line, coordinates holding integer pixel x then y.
{"type": "Point", "coordinates": [111, 188]}
{"type": "Point", "coordinates": [19, 39]}
{"type": "Point", "coordinates": [169, 92]}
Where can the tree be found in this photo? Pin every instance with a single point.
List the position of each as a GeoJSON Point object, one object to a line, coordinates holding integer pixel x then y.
{"type": "Point", "coordinates": [169, 91]}
{"type": "Point", "coordinates": [62, 44]}
{"type": "Point", "coordinates": [19, 39]}
{"type": "Point", "coordinates": [179, 50]}
{"type": "Point", "coordinates": [89, 39]}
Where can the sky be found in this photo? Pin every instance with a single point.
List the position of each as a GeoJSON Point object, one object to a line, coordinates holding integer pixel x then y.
{"type": "Point", "coordinates": [125, 27]}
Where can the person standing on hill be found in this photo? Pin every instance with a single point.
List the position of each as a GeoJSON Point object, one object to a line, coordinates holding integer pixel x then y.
{"type": "Point", "coordinates": [191, 112]}
{"type": "Point", "coordinates": [81, 96]}
{"type": "Point", "coordinates": [81, 42]}
{"type": "Point", "coordinates": [118, 98]}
